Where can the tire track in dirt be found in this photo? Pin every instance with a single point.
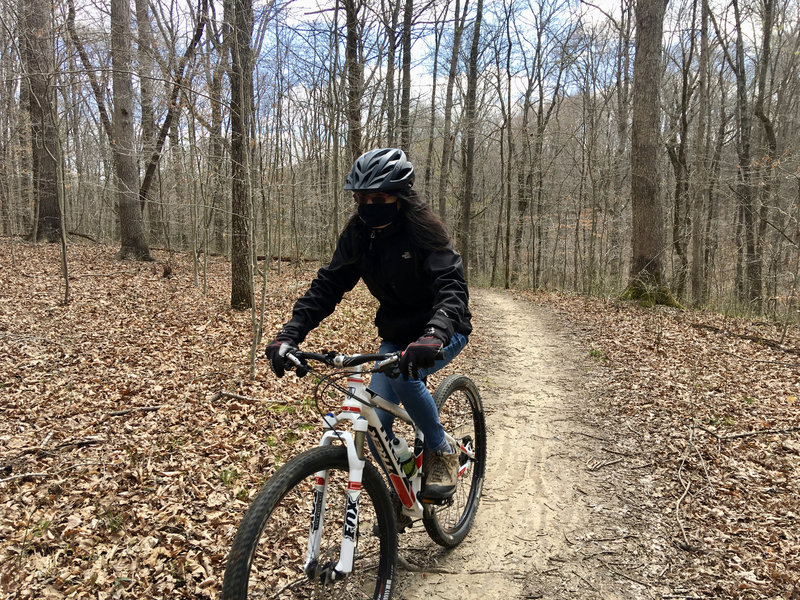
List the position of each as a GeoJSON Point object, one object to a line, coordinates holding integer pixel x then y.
{"type": "Point", "coordinates": [546, 521]}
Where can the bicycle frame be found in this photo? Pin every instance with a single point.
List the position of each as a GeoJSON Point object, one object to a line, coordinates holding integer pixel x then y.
{"type": "Point", "coordinates": [358, 407]}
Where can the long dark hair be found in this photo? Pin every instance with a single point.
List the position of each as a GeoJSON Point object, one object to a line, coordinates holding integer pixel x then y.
{"type": "Point", "coordinates": [425, 226]}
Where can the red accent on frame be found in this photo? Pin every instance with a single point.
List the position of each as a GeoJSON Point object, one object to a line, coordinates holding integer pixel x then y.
{"type": "Point", "coordinates": [354, 409]}
{"type": "Point", "coordinates": [403, 492]}
{"type": "Point", "coordinates": [354, 485]}
{"type": "Point", "coordinates": [320, 481]}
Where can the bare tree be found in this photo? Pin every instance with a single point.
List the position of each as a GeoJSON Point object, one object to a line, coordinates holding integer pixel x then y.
{"type": "Point", "coordinates": [133, 244]}
{"type": "Point", "coordinates": [463, 238]}
{"type": "Point", "coordinates": [405, 102]}
{"type": "Point", "coordinates": [391, 22]}
{"type": "Point", "coordinates": [145, 49]}
{"type": "Point", "coordinates": [678, 150]}
{"type": "Point", "coordinates": [239, 14]}
{"type": "Point", "coordinates": [355, 78]}
{"type": "Point", "coordinates": [447, 141]}
{"type": "Point", "coordinates": [648, 236]}
{"type": "Point", "coordinates": [438, 32]}
{"type": "Point", "coordinates": [42, 105]}
{"type": "Point", "coordinates": [698, 271]}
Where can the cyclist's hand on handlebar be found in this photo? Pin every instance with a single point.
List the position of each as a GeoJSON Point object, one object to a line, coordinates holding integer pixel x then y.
{"type": "Point", "coordinates": [421, 354]}
{"type": "Point", "coordinates": [276, 352]}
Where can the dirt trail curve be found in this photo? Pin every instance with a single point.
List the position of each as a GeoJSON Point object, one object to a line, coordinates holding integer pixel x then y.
{"type": "Point", "coordinates": [554, 521]}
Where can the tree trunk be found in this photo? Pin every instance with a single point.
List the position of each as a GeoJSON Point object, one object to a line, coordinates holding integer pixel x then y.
{"type": "Point", "coordinates": [464, 238]}
{"type": "Point", "coordinates": [447, 142]}
{"type": "Point", "coordinates": [131, 225]}
{"type": "Point", "coordinates": [621, 161]}
{"type": "Point", "coordinates": [768, 161]}
{"type": "Point", "coordinates": [219, 204]}
{"type": "Point", "coordinates": [355, 79]}
{"type": "Point", "coordinates": [239, 13]}
{"type": "Point", "coordinates": [391, 55]}
{"type": "Point", "coordinates": [146, 64]}
{"type": "Point", "coordinates": [405, 102]}
{"type": "Point", "coordinates": [648, 235]}
{"type": "Point", "coordinates": [437, 35]}
{"type": "Point", "coordinates": [701, 174]}
{"type": "Point", "coordinates": [751, 286]}
{"type": "Point", "coordinates": [40, 71]}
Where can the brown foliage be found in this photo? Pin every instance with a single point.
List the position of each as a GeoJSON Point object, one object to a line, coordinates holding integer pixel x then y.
{"type": "Point", "coordinates": [123, 470]}
{"type": "Point", "coordinates": [710, 404]}
{"type": "Point", "coordinates": [132, 437]}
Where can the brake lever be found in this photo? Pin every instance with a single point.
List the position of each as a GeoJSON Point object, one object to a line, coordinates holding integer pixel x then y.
{"type": "Point", "coordinates": [300, 368]}
{"type": "Point", "coordinates": [389, 366]}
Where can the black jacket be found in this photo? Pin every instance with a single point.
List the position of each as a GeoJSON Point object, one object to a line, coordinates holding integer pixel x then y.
{"type": "Point", "coordinates": [416, 288]}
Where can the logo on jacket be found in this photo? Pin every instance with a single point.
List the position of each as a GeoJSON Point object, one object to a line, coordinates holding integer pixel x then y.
{"type": "Point", "coordinates": [406, 255]}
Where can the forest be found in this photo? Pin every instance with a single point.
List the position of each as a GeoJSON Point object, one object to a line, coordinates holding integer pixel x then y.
{"type": "Point", "coordinates": [228, 129]}
{"type": "Point", "coordinates": [166, 163]}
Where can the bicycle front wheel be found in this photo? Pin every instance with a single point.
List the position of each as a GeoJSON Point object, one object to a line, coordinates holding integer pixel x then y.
{"type": "Point", "coordinates": [269, 551]}
{"type": "Point", "coordinates": [461, 415]}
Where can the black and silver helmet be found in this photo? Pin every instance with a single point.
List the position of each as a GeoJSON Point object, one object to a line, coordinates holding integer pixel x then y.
{"type": "Point", "coordinates": [384, 169]}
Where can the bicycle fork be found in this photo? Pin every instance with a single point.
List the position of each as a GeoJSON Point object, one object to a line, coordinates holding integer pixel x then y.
{"type": "Point", "coordinates": [327, 573]}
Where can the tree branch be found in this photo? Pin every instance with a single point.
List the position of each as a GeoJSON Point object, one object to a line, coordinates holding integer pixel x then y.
{"type": "Point", "coordinates": [173, 104]}
{"type": "Point", "coordinates": [87, 65]}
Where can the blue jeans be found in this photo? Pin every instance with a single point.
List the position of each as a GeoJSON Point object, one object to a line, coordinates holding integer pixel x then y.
{"type": "Point", "coordinates": [414, 395]}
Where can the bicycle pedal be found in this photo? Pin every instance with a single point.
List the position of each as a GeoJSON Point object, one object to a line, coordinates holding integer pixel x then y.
{"type": "Point", "coordinates": [437, 501]}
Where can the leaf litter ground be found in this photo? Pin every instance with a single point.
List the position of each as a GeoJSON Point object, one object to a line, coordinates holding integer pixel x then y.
{"type": "Point", "coordinates": [133, 437]}
{"type": "Point", "coordinates": [707, 410]}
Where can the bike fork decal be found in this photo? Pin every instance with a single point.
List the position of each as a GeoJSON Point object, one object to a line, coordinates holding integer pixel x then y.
{"type": "Point", "coordinates": [317, 518]}
{"type": "Point", "coordinates": [348, 550]}
{"type": "Point", "coordinates": [350, 519]}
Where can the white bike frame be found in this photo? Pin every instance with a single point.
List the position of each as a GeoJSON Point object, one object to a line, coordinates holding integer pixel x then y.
{"type": "Point", "coordinates": [358, 407]}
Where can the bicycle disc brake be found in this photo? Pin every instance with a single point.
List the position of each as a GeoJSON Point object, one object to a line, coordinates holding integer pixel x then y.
{"type": "Point", "coordinates": [325, 574]}
{"type": "Point", "coordinates": [466, 443]}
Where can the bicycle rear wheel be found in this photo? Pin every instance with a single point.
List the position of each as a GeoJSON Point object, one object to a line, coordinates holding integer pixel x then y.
{"type": "Point", "coordinates": [268, 552]}
{"type": "Point", "coordinates": [461, 415]}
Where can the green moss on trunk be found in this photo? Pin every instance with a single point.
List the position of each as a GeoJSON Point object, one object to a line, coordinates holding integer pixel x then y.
{"type": "Point", "coordinates": [649, 295]}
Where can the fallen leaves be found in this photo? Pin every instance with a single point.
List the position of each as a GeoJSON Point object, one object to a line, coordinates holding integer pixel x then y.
{"type": "Point", "coordinates": [131, 435]}
{"type": "Point", "coordinates": [711, 400]}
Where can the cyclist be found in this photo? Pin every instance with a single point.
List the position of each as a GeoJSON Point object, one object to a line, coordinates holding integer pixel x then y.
{"type": "Point", "coordinates": [400, 248]}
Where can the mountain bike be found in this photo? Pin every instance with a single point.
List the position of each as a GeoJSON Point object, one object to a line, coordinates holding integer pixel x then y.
{"type": "Point", "coordinates": [326, 524]}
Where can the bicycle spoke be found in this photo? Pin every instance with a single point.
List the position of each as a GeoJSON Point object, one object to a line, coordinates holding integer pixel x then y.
{"type": "Point", "coordinates": [461, 415]}
{"type": "Point", "coordinates": [277, 534]}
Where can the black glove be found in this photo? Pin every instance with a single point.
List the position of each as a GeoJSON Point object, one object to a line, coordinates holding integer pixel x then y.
{"type": "Point", "coordinates": [421, 354]}
{"type": "Point", "coordinates": [276, 353]}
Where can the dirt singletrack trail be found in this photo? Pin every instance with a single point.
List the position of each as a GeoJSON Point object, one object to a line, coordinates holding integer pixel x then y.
{"type": "Point", "coordinates": [557, 519]}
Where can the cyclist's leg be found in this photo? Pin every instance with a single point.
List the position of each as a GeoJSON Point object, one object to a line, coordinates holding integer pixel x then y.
{"type": "Point", "coordinates": [380, 384]}
{"type": "Point", "coordinates": [418, 401]}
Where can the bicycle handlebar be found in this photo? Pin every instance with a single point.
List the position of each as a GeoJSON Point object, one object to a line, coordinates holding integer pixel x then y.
{"type": "Point", "coordinates": [386, 361]}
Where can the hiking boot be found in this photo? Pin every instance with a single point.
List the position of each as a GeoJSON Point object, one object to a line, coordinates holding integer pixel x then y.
{"type": "Point", "coordinates": [442, 476]}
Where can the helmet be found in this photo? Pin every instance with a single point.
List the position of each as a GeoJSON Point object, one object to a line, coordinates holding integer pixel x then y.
{"type": "Point", "coordinates": [384, 169]}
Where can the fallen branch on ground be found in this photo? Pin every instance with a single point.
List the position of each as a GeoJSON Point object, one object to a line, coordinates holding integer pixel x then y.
{"type": "Point", "coordinates": [734, 436]}
{"type": "Point", "coordinates": [596, 465]}
{"type": "Point", "coordinates": [752, 338]}
{"type": "Point", "coordinates": [119, 413]}
{"type": "Point", "coordinates": [80, 443]}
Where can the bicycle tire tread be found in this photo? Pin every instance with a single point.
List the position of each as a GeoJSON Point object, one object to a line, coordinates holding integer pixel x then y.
{"type": "Point", "coordinates": [285, 478]}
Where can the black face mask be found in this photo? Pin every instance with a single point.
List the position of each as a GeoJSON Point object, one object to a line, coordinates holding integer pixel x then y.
{"type": "Point", "coordinates": [378, 215]}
